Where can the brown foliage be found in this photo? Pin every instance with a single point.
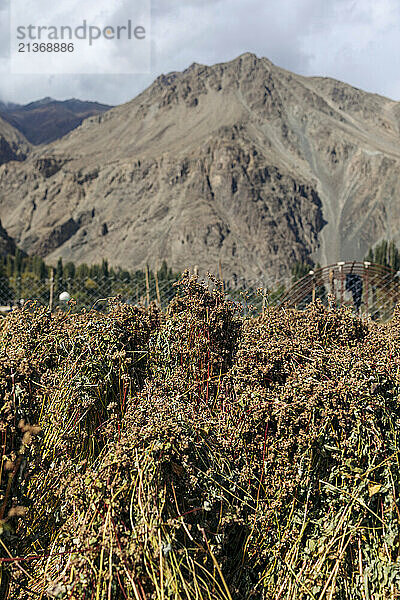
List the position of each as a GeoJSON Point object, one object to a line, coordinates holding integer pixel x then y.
{"type": "Point", "coordinates": [197, 454]}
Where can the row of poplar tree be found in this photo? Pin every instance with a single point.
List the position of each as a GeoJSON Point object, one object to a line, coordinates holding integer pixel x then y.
{"type": "Point", "coordinates": [23, 277]}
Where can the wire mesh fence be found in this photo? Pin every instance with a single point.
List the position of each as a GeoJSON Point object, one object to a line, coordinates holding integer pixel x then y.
{"type": "Point", "coordinates": [92, 291]}
{"type": "Point", "coordinates": [369, 289]}
{"type": "Point", "coordinates": [85, 292]}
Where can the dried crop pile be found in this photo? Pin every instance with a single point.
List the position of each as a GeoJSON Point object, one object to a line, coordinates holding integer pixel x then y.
{"type": "Point", "coordinates": [193, 454]}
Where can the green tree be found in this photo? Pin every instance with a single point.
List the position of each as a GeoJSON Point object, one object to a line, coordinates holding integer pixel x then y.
{"type": "Point", "coordinates": [163, 271]}
{"type": "Point", "coordinates": [69, 271]}
{"type": "Point", "coordinates": [59, 276]}
{"type": "Point", "coordinates": [104, 279]}
{"type": "Point", "coordinates": [82, 271]}
{"type": "Point", "coordinates": [9, 265]}
{"type": "Point", "coordinates": [38, 268]}
{"type": "Point", "coordinates": [18, 262]}
{"type": "Point", "coordinates": [6, 293]}
{"type": "Point", "coordinates": [386, 254]}
{"type": "Point", "coordinates": [300, 270]}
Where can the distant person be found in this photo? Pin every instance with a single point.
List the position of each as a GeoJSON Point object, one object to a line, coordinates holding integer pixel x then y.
{"type": "Point", "coordinates": [354, 284]}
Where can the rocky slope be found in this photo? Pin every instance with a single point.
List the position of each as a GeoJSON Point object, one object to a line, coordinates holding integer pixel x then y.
{"type": "Point", "coordinates": [13, 145]}
{"type": "Point", "coordinates": [242, 162]}
{"type": "Point", "coordinates": [7, 244]}
{"type": "Point", "coordinates": [46, 120]}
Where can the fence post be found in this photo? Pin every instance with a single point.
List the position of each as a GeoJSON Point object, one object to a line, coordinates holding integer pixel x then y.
{"type": "Point", "coordinates": [366, 265]}
{"type": "Point", "coordinates": [340, 265]}
{"type": "Point", "coordinates": [220, 274]}
{"type": "Point", "coordinates": [19, 288]}
{"type": "Point", "coordinates": [51, 301]}
{"type": "Point", "coordinates": [147, 286]}
{"type": "Point", "coordinates": [264, 301]}
{"type": "Point", "coordinates": [396, 293]}
{"type": "Point", "coordinates": [312, 286]}
{"type": "Point", "coordinates": [332, 281]}
{"type": "Point", "coordinates": [158, 290]}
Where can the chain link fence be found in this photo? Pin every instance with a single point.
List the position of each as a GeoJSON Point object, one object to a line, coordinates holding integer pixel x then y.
{"type": "Point", "coordinates": [93, 292]}
{"type": "Point", "coordinates": [86, 293]}
{"type": "Point", "coordinates": [378, 290]}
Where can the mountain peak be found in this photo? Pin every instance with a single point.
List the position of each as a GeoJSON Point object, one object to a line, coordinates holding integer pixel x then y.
{"type": "Point", "coordinates": [242, 163]}
{"type": "Point", "coordinates": [250, 56]}
{"type": "Point", "coordinates": [40, 102]}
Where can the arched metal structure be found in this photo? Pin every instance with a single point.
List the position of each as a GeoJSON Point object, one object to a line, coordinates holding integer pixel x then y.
{"type": "Point", "coordinates": [372, 289]}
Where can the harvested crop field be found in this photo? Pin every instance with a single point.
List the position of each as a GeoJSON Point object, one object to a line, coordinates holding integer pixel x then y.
{"type": "Point", "coordinates": [197, 455]}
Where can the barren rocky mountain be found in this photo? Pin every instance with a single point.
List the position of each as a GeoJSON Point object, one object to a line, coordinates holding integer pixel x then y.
{"type": "Point", "coordinates": [242, 162]}
{"type": "Point", "coordinates": [46, 120]}
{"type": "Point", "coordinates": [13, 145]}
{"type": "Point", "coordinates": [7, 244]}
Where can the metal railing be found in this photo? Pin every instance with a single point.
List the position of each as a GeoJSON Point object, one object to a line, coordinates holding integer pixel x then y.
{"type": "Point", "coordinates": [371, 289]}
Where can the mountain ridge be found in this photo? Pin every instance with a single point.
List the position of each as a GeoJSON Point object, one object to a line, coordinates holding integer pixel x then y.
{"type": "Point", "coordinates": [242, 163]}
{"type": "Point", "coordinates": [45, 120]}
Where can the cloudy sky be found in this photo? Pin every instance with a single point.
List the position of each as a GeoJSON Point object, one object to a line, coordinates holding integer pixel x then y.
{"type": "Point", "coordinates": [357, 41]}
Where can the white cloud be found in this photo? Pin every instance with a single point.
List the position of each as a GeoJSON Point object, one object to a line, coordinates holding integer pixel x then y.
{"type": "Point", "coordinates": [353, 40]}
{"type": "Point", "coordinates": [361, 47]}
